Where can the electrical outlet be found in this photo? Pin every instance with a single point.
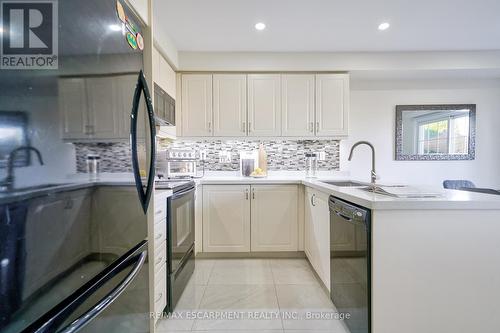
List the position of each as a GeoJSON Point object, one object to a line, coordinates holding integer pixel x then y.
{"type": "Point", "coordinates": [321, 155]}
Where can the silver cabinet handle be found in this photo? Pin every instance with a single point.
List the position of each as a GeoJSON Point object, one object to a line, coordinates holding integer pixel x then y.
{"type": "Point", "coordinates": [249, 127]}
{"type": "Point", "coordinates": [244, 127]}
{"type": "Point", "coordinates": [313, 202]}
{"type": "Point", "coordinates": [311, 127]}
{"type": "Point", "coordinates": [159, 237]}
{"type": "Point", "coordinates": [253, 193]}
{"type": "Point", "coordinates": [159, 261]}
{"type": "Point", "coordinates": [210, 126]}
{"type": "Point", "coordinates": [246, 194]}
{"type": "Point", "coordinates": [158, 212]}
{"type": "Point", "coordinates": [159, 298]}
{"type": "Point", "coordinates": [317, 127]}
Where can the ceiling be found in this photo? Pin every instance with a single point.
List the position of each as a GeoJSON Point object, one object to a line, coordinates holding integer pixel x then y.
{"type": "Point", "coordinates": [329, 25]}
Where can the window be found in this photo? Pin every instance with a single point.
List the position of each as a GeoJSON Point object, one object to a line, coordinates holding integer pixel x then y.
{"type": "Point", "coordinates": [445, 135]}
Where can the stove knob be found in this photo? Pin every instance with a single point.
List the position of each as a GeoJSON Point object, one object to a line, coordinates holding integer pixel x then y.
{"type": "Point", "coordinates": [359, 214]}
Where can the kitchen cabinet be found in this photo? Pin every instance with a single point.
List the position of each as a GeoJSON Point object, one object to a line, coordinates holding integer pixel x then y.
{"type": "Point", "coordinates": [332, 104]}
{"type": "Point", "coordinates": [274, 218]}
{"type": "Point", "coordinates": [163, 73]}
{"type": "Point", "coordinates": [297, 110]}
{"type": "Point", "coordinates": [73, 107]}
{"type": "Point", "coordinates": [141, 7]}
{"type": "Point", "coordinates": [244, 218]}
{"type": "Point", "coordinates": [226, 218]}
{"type": "Point", "coordinates": [96, 108]}
{"type": "Point", "coordinates": [102, 111]}
{"type": "Point", "coordinates": [196, 99]}
{"type": "Point", "coordinates": [61, 213]}
{"type": "Point", "coordinates": [230, 104]}
{"type": "Point", "coordinates": [317, 233]}
{"type": "Point", "coordinates": [264, 105]}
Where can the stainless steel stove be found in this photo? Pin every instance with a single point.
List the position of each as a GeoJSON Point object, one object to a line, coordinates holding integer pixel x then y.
{"type": "Point", "coordinates": [180, 236]}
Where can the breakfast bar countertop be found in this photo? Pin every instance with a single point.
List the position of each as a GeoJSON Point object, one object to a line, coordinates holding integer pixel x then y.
{"type": "Point", "coordinates": [448, 199]}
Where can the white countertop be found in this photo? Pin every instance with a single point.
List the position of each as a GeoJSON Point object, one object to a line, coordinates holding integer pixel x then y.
{"type": "Point", "coordinates": [450, 199]}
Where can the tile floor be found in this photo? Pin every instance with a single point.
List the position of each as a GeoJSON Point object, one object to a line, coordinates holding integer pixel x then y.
{"type": "Point", "coordinates": [264, 295]}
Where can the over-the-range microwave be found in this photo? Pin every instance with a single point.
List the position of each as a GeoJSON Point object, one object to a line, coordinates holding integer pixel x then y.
{"type": "Point", "coordinates": [164, 107]}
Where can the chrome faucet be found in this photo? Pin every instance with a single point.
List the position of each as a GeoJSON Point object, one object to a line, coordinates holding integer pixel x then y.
{"type": "Point", "coordinates": [373, 173]}
{"type": "Point", "coordinates": [8, 182]}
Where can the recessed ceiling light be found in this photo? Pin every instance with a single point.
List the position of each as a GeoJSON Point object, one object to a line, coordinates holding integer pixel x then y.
{"type": "Point", "coordinates": [260, 26]}
{"type": "Point", "coordinates": [115, 27]}
{"type": "Point", "coordinates": [384, 26]}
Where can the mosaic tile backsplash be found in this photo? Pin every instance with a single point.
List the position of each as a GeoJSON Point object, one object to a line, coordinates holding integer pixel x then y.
{"type": "Point", "coordinates": [115, 157]}
{"type": "Point", "coordinates": [281, 154]}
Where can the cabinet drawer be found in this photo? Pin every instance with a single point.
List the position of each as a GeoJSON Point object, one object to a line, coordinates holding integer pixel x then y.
{"type": "Point", "coordinates": [160, 257]}
{"type": "Point", "coordinates": [159, 233]}
{"type": "Point", "coordinates": [160, 210]}
{"type": "Point", "coordinates": [160, 292]}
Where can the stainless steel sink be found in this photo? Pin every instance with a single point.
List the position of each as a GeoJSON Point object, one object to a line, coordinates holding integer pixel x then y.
{"type": "Point", "coordinates": [345, 183]}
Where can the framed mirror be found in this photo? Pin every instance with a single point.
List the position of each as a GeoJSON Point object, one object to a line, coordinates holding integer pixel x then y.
{"type": "Point", "coordinates": [435, 132]}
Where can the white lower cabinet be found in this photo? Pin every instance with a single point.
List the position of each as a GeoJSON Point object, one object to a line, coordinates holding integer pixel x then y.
{"type": "Point", "coordinates": [244, 218]}
{"type": "Point", "coordinates": [226, 218]}
{"type": "Point", "coordinates": [274, 218]}
{"type": "Point", "coordinates": [317, 233]}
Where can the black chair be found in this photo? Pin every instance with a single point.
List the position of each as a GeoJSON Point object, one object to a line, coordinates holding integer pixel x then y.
{"type": "Point", "coordinates": [458, 184]}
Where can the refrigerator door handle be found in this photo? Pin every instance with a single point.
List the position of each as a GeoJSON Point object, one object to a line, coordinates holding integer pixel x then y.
{"type": "Point", "coordinates": [144, 195]}
{"type": "Point", "coordinates": [83, 320]}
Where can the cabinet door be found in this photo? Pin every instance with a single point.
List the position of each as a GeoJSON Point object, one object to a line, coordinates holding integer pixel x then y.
{"type": "Point", "coordinates": [321, 229]}
{"type": "Point", "coordinates": [167, 77]}
{"type": "Point", "coordinates": [297, 98]}
{"type": "Point", "coordinates": [196, 105]}
{"type": "Point", "coordinates": [156, 66]}
{"type": "Point", "coordinates": [226, 218]}
{"type": "Point", "coordinates": [103, 111]}
{"type": "Point", "coordinates": [309, 242]}
{"type": "Point", "coordinates": [274, 218]}
{"type": "Point", "coordinates": [332, 104]}
{"type": "Point", "coordinates": [124, 92]}
{"type": "Point", "coordinates": [264, 105]}
{"type": "Point", "coordinates": [230, 105]}
{"type": "Point", "coordinates": [73, 108]}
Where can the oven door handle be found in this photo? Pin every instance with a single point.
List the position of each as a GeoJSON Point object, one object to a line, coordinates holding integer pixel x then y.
{"type": "Point", "coordinates": [183, 193]}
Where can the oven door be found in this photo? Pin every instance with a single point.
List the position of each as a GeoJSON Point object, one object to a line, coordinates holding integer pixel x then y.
{"type": "Point", "coordinates": [180, 228]}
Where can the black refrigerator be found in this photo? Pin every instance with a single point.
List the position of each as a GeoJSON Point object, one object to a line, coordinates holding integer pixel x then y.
{"type": "Point", "coordinates": [73, 244]}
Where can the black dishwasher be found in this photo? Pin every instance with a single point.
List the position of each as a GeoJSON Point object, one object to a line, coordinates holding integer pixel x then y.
{"type": "Point", "coordinates": [350, 263]}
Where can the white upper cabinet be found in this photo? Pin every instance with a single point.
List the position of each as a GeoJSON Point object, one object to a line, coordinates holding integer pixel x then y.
{"type": "Point", "coordinates": [264, 105]}
{"type": "Point", "coordinates": [73, 108]}
{"type": "Point", "coordinates": [230, 104]}
{"type": "Point", "coordinates": [103, 108]}
{"type": "Point", "coordinates": [141, 7]}
{"type": "Point", "coordinates": [297, 98]}
{"type": "Point", "coordinates": [196, 102]}
{"type": "Point", "coordinates": [96, 108]}
{"type": "Point", "coordinates": [163, 73]}
{"type": "Point", "coordinates": [274, 218]}
{"type": "Point", "coordinates": [332, 104]}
